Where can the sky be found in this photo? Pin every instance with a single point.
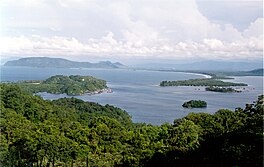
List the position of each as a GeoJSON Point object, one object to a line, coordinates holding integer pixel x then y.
{"type": "Point", "coordinates": [85, 30]}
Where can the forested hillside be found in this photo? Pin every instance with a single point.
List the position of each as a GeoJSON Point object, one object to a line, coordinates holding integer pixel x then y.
{"type": "Point", "coordinates": [71, 132]}
{"type": "Point", "coordinates": [70, 85]}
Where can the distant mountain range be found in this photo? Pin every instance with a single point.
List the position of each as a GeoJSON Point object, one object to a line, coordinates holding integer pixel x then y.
{"type": "Point", "coordinates": [61, 63]}
{"type": "Point", "coordinates": [205, 65]}
{"type": "Point", "coordinates": [227, 68]}
{"type": "Point", "coordinates": [256, 72]}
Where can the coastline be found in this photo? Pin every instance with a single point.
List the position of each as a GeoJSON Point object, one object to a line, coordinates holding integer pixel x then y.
{"type": "Point", "coordinates": [185, 72]}
{"type": "Point", "coordinates": [200, 74]}
{"type": "Point", "coordinates": [105, 90]}
{"type": "Point", "coordinates": [204, 75]}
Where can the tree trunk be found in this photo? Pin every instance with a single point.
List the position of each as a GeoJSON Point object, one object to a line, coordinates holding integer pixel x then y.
{"type": "Point", "coordinates": [19, 159]}
{"type": "Point", "coordinates": [48, 164]}
{"type": "Point", "coordinates": [53, 162]}
{"type": "Point", "coordinates": [87, 162]}
{"type": "Point", "coordinates": [41, 161]}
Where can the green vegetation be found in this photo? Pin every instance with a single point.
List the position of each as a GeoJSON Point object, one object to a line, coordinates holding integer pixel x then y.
{"type": "Point", "coordinates": [221, 89]}
{"type": "Point", "coordinates": [71, 132]}
{"type": "Point", "coordinates": [71, 85]}
{"type": "Point", "coordinates": [195, 104]}
{"type": "Point", "coordinates": [200, 82]}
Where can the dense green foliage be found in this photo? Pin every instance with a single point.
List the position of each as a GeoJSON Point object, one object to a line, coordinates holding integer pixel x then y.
{"type": "Point", "coordinates": [71, 85]}
{"type": "Point", "coordinates": [70, 132]}
{"type": "Point", "coordinates": [87, 111]}
{"type": "Point", "coordinates": [195, 104]}
{"type": "Point", "coordinates": [200, 82]}
{"type": "Point", "coordinates": [221, 89]}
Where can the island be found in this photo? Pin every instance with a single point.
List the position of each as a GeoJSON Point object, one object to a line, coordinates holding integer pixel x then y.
{"type": "Point", "coordinates": [72, 132]}
{"type": "Point", "coordinates": [222, 89]}
{"type": "Point", "coordinates": [200, 82]}
{"type": "Point", "coordinates": [47, 62]}
{"type": "Point", "coordinates": [195, 104]}
{"type": "Point", "coordinates": [70, 85]}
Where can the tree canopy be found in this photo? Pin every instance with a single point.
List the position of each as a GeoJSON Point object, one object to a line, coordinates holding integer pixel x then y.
{"type": "Point", "coordinates": [195, 104]}
{"type": "Point", "coordinates": [200, 82]}
{"type": "Point", "coordinates": [70, 85]}
{"type": "Point", "coordinates": [71, 132]}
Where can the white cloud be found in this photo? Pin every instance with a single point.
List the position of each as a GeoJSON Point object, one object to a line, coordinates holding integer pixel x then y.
{"type": "Point", "coordinates": [108, 45]}
{"type": "Point", "coordinates": [173, 29]}
{"type": "Point", "coordinates": [255, 29]}
{"type": "Point", "coordinates": [214, 44]}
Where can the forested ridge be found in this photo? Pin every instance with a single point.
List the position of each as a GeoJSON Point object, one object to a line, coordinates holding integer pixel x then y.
{"type": "Point", "coordinates": [200, 82]}
{"type": "Point", "coordinates": [71, 132]}
{"type": "Point", "coordinates": [59, 84]}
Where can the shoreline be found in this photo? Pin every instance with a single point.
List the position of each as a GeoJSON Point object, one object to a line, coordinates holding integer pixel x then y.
{"type": "Point", "coordinates": [105, 90]}
{"type": "Point", "coordinates": [185, 72]}
{"type": "Point", "coordinates": [200, 74]}
{"type": "Point", "coordinates": [194, 73]}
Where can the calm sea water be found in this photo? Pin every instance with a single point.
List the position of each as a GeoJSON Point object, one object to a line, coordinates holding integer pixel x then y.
{"type": "Point", "coordinates": [137, 91]}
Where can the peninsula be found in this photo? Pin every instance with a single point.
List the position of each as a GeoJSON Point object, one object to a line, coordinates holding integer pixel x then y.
{"type": "Point", "coordinates": [70, 85]}
{"type": "Point", "coordinates": [200, 82]}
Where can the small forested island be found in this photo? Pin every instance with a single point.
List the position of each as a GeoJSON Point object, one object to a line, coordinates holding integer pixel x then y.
{"type": "Point", "coordinates": [200, 82]}
{"type": "Point", "coordinates": [195, 104]}
{"type": "Point", "coordinates": [71, 132]}
{"type": "Point", "coordinates": [70, 85]}
{"type": "Point", "coordinates": [221, 89]}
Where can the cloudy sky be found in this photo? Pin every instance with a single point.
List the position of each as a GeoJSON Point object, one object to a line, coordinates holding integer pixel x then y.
{"type": "Point", "coordinates": [132, 29]}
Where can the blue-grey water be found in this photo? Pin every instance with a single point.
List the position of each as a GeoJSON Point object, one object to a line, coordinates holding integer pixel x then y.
{"type": "Point", "coordinates": [137, 91]}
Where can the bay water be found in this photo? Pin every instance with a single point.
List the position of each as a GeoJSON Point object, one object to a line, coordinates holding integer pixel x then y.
{"type": "Point", "coordinates": [138, 91]}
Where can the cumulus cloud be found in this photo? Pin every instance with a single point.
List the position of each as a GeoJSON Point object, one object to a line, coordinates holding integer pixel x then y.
{"type": "Point", "coordinates": [255, 29]}
{"type": "Point", "coordinates": [171, 29]}
{"type": "Point", "coordinates": [108, 45]}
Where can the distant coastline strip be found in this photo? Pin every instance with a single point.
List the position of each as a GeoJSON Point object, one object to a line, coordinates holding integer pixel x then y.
{"type": "Point", "coordinates": [200, 74]}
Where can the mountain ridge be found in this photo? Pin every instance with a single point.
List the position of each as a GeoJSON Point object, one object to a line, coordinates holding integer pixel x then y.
{"type": "Point", "coordinates": [61, 63]}
{"type": "Point", "coordinates": [206, 65]}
